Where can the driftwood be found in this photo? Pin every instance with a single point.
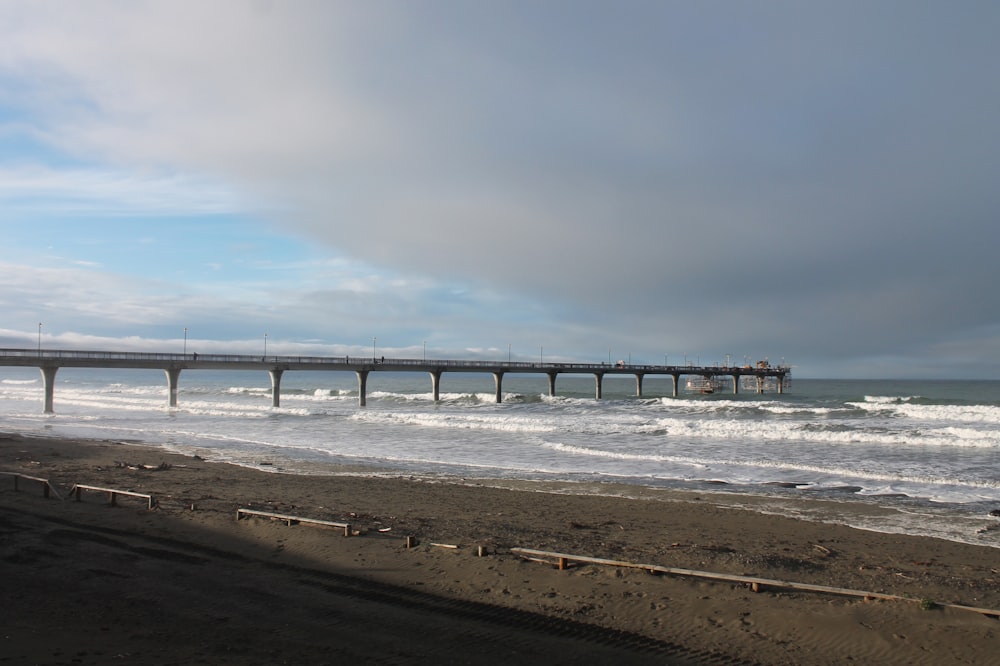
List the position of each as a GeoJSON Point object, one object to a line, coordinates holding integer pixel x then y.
{"type": "Point", "coordinates": [562, 560]}
{"type": "Point", "coordinates": [154, 468]}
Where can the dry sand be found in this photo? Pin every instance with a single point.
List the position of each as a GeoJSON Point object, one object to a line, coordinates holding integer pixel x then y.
{"type": "Point", "coordinates": [186, 583]}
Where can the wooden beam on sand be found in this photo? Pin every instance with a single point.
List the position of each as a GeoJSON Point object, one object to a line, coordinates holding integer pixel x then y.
{"type": "Point", "coordinates": [113, 494]}
{"type": "Point", "coordinates": [47, 488]}
{"type": "Point", "coordinates": [290, 520]}
{"type": "Point", "coordinates": [562, 560]}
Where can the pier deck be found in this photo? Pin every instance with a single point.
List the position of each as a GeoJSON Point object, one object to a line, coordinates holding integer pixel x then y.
{"type": "Point", "coordinates": [50, 361]}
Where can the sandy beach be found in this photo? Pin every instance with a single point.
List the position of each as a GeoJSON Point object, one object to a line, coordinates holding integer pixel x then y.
{"type": "Point", "coordinates": [431, 574]}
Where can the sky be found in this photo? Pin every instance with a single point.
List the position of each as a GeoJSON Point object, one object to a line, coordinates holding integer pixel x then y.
{"type": "Point", "coordinates": [814, 183]}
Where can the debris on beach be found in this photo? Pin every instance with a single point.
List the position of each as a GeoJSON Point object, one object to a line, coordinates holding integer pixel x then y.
{"type": "Point", "coordinates": [139, 466]}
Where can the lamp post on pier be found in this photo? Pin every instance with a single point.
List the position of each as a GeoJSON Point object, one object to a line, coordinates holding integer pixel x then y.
{"type": "Point", "coordinates": [185, 340]}
{"type": "Point", "coordinates": [39, 338]}
{"type": "Point", "coordinates": [265, 346]}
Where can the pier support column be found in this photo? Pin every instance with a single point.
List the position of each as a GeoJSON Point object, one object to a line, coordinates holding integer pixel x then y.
{"type": "Point", "coordinates": [362, 387]}
{"type": "Point", "coordinates": [552, 383]}
{"type": "Point", "coordinates": [599, 385]}
{"type": "Point", "coordinates": [436, 384]}
{"type": "Point", "coordinates": [781, 384]}
{"type": "Point", "coordinates": [676, 380]}
{"type": "Point", "coordinates": [638, 384]}
{"type": "Point", "coordinates": [736, 384]}
{"type": "Point", "coordinates": [49, 384]}
{"type": "Point", "coordinates": [275, 386]}
{"type": "Point", "coordinates": [498, 378]}
{"type": "Point", "coordinates": [172, 376]}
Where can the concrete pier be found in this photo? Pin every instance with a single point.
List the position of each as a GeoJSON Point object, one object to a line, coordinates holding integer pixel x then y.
{"type": "Point", "coordinates": [436, 384]}
{"type": "Point", "coordinates": [173, 377]}
{"type": "Point", "coordinates": [362, 387]}
{"type": "Point", "coordinates": [48, 383]}
{"type": "Point", "coordinates": [49, 362]}
{"type": "Point", "coordinates": [275, 374]}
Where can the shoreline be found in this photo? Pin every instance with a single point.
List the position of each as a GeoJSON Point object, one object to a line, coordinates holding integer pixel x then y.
{"type": "Point", "coordinates": [967, 523]}
{"type": "Point", "coordinates": [702, 531]}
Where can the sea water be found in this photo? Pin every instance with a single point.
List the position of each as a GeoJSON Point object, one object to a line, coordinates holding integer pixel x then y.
{"type": "Point", "coordinates": [925, 454]}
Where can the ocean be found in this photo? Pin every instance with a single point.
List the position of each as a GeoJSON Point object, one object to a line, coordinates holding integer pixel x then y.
{"type": "Point", "coordinates": [915, 457]}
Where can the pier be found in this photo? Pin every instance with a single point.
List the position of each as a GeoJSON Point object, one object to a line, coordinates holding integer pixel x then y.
{"type": "Point", "coordinates": [50, 361]}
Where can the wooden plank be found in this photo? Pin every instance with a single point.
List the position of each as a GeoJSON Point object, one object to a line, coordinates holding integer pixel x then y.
{"type": "Point", "coordinates": [560, 560]}
{"type": "Point", "coordinates": [25, 476]}
{"type": "Point", "coordinates": [113, 494]}
{"type": "Point", "coordinates": [47, 488]}
{"type": "Point", "coordinates": [296, 519]}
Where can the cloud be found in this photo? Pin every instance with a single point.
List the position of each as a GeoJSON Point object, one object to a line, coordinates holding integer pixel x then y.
{"type": "Point", "coordinates": [804, 180]}
{"type": "Point", "coordinates": [38, 188]}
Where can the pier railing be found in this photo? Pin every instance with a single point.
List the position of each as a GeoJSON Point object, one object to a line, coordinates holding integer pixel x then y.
{"type": "Point", "coordinates": [33, 357]}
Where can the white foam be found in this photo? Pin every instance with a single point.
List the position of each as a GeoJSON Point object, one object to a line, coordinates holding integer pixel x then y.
{"type": "Point", "coordinates": [971, 413]}
{"type": "Point", "coordinates": [883, 444]}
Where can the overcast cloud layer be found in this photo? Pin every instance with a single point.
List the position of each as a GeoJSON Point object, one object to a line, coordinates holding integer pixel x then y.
{"type": "Point", "coordinates": [807, 180]}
